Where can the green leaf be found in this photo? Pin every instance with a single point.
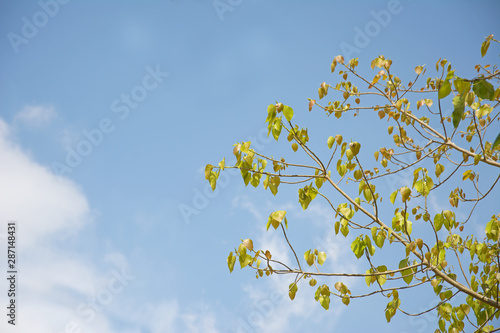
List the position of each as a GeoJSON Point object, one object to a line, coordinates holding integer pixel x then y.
{"type": "Point", "coordinates": [407, 273]}
{"type": "Point", "coordinates": [393, 196]}
{"type": "Point", "coordinates": [378, 237]}
{"type": "Point", "coordinates": [277, 217]}
{"type": "Point", "coordinates": [245, 260]}
{"type": "Point", "coordinates": [358, 247]}
{"type": "Point", "coordinates": [369, 279]}
{"type": "Point", "coordinates": [462, 86]}
{"type": "Point", "coordinates": [213, 180]}
{"type": "Point", "coordinates": [369, 246]}
{"type": "Point", "coordinates": [342, 149]}
{"type": "Point", "coordinates": [208, 170]}
{"type": "Point", "coordinates": [273, 184]}
{"type": "Point", "coordinates": [483, 89]}
{"type": "Point", "coordinates": [306, 195]}
{"type": "Point", "coordinates": [292, 290]}
{"type": "Point", "coordinates": [349, 154]}
{"type": "Point", "coordinates": [295, 146]}
{"type": "Point", "coordinates": [309, 257]}
{"type": "Point", "coordinates": [222, 165]}
{"type": "Point", "coordinates": [325, 302]}
{"type": "Point", "coordinates": [337, 227]}
{"type": "Point", "coordinates": [330, 142]}
{"type": "Point", "coordinates": [439, 169]}
{"type": "Point", "coordinates": [344, 229]}
{"type": "Point", "coordinates": [246, 178]}
{"type": "Point", "coordinates": [444, 90]}
{"type": "Point", "coordinates": [484, 47]}
{"type": "Point", "coordinates": [438, 221]}
{"type": "Point", "coordinates": [321, 258]}
{"type": "Point", "coordinates": [271, 112]}
{"type": "Point", "coordinates": [277, 128]}
{"type": "Point", "coordinates": [355, 146]}
{"type": "Point", "coordinates": [477, 158]}
{"type": "Point", "coordinates": [265, 183]}
{"type": "Point", "coordinates": [381, 279]}
{"type": "Point", "coordinates": [288, 112]}
{"type": "Point", "coordinates": [255, 180]}
{"type": "Point", "coordinates": [230, 262]}
{"type": "Point", "coordinates": [484, 110]}
{"type": "Point", "coordinates": [496, 142]}
{"type": "Point", "coordinates": [406, 192]}
{"type": "Point", "coordinates": [459, 104]}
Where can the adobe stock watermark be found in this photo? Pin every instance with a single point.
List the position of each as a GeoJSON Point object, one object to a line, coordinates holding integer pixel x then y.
{"type": "Point", "coordinates": [30, 26]}
{"type": "Point", "coordinates": [203, 195]}
{"type": "Point", "coordinates": [87, 311]}
{"type": "Point", "coordinates": [364, 35]}
{"type": "Point", "coordinates": [263, 309]}
{"type": "Point", "coordinates": [121, 107]}
{"type": "Point", "coordinates": [223, 6]}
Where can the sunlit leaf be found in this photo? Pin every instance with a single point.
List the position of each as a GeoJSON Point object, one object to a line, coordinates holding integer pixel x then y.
{"type": "Point", "coordinates": [496, 142]}
{"type": "Point", "coordinates": [208, 170]}
{"type": "Point", "coordinates": [330, 141]}
{"type": "Point", "coordinates": [288, 112]}
{"type": "Point", "coordinates": [248, 244]}
{"type": "Point", "coordinates": [444, 90]}
{"type": "Point", "coordinates": [321, 258]}
{"type": "Point", "coordinates": [231, 261]}
{"type": "Point", "coordinates": [459, 104]}
{"type": "Point", "coordinates": [292, 290]}
{"type": "Point", "coordinates": [484, 47]}
{"type": "Point", "coordinates": [483, 89]}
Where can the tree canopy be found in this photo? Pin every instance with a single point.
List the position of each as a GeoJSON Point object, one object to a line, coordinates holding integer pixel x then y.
{"type": "Point", "coordinates": [443, 152]}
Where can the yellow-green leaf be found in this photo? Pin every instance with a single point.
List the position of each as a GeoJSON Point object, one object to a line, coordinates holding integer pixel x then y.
{"type": "Point", "coordinates": [230, 262]}
{"type": "Point", "coordinates": [288, 112]}
{"type": "Point", "coordinates": [444, 90]}
{"type": "Point", "coordinates": [330, 142]}
{"type": "Point", "coordinates": [292, 290]}
{"type": "Point", "coordinates": [208, 170]}
{"type": "Point", "coordinates": [393, 196]}
{"type": "Point", "coordinates": [321, 258]}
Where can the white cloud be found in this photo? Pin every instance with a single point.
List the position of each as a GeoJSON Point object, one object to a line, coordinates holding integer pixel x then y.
{"type": "Point", "coordinates": [52, 283]}
{"type": "Point", "coordinates": [170, 316]}
{"type": "Point", "coordinates": [35, 115]}
{"type": "Point", "coordinates": [196, 321]}
{"type": "Point", "coordinates": [63, 291]}
{"type": "Point", "coordinates": [270, 308]}
{"type": "Point", "coordinates": [39, 201]}
{"type": "Point", "coordinates": [163, 317]}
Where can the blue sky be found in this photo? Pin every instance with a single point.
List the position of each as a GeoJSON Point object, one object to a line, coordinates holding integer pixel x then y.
{"type": "Point", "coordinates": [109, 112]}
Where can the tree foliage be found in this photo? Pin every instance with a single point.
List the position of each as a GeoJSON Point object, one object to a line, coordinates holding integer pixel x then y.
{"type": "Point", "coordinates": [444, 152]}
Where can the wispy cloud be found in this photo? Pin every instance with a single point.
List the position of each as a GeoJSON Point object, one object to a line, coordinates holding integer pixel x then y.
{"type": "Point", "coordinates": [42, 202]}
{"type": "Point", "coordinates": [64, 291]}
{"type": "Point", "coordinates": [271, 309]}
{"type": "Point", "coordinates": [49, 209]}
{"type": "Point", "coordinates": [35, 115]}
